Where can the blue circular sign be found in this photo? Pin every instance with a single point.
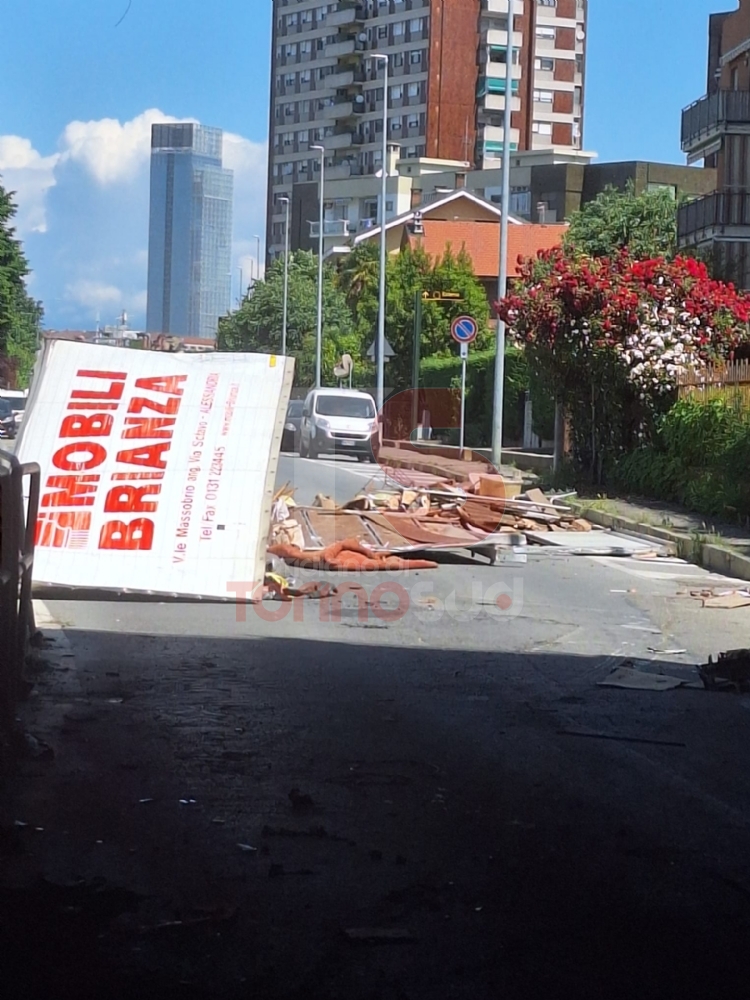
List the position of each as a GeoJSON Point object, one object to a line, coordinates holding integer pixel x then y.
{"type": "Point", "coordinates": [464, 329]}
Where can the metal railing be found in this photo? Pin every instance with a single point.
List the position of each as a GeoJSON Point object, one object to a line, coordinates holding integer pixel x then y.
{"type": "Point", "coordinates": [17, 528]}
{"type": "Point", "coordinates": [709, 114]}
{"type": "Point", "coordinates": [715, 211]}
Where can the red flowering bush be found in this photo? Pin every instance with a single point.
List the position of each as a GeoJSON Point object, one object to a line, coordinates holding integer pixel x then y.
{"type": "Point", "coordinates": [610, 337]}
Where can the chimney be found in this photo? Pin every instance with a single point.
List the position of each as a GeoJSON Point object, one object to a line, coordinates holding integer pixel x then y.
{"type": "Point", "coordinates": [541, 211]}
{"type": "Point", "coordinates": [416, 197]}
{"type": "Point", "coordinates": [460, 181]}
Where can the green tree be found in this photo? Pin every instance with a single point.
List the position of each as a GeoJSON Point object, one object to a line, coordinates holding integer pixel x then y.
{"type": "Point", "coordinates": [410, 273]}
{"type": "Point", "coordinates": [257, 325]}
{"type": "Point", "coordinates": [20, 315]}
{"type": "Point", "coordinates": [645, 223]}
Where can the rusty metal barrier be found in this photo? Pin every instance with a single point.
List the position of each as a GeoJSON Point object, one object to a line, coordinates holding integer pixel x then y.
{"type": "Point", "coordinates": [17, 526]}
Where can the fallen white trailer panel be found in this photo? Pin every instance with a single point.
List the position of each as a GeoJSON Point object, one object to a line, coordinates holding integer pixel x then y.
{"type": "Point", "coordinates": [157, 469]}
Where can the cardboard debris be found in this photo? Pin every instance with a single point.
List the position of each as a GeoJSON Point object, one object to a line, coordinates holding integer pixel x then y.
{"type": "Point", "coordinates": [639, 680]}
{"type": "Point", "coordinates": [727, 601]}
{"type": "Point", "coordinates": [321, 500]}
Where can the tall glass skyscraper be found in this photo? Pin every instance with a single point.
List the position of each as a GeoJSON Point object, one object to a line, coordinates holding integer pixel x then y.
{"type": "Point", "coordinates": [190, 231]}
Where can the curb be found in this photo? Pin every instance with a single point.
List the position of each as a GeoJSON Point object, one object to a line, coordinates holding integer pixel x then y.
{"type": "Point", "coordinates": [725, 562]}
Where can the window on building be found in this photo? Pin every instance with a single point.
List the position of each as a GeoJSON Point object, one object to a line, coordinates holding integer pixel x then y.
{"type": "Point", "coordinates": [543, 96]}
{"type": "Point", "coordinates": [398, 58]}
{"type": "Point", "coordinates": [499, 54]}
{"type": "Point", "coordinates": [383, 31]}
{"type": "Point", "coordinates": [397, 92]}
{"type": "Point", "coordinates": [416, 24]}
{"type": "Point", "coordinates": [545, 65]}
{"type": "Point", "coordinates": [415, 57]}
{"type": "Point", "coordinates": [735, 78]}
{"type": "Point", "coordinates": [396, 124]}
{"type": "Point", "coordinates": [413, 121]}
{"type": "Point", "coordinates": [414, 89]}
{"type": "Point", "coordinates": [542, 31]}
{"type": "Point", "coordinates": [398, 28]}
{"type": "Point", "coordinates": [542, 128]}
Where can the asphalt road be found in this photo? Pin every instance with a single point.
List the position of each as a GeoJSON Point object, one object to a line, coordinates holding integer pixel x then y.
{"type": "Point", "coordinates": [429, 764]}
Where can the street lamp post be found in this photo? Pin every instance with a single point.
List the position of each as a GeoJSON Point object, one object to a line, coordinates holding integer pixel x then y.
{"type": "Point", "coordinates": [287, 202]}
{"type": "Point", "coordinates": [257, 254]}
{"type": "Point", "coordinates": [502, 282]}
{"type": "Point", "coordinates": [319, 330]}
{"type": "Point", "coordinates": [240, 296]}
{"type": "Point", "coordinates": [380, 345]}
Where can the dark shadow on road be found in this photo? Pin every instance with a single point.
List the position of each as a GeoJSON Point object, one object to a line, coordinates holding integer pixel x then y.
{"type": "Point", "coordinates": [431, 791]}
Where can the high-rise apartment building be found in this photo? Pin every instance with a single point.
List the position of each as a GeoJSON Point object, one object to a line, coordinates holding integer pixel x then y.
{"type": "Point", "coordinates": [190, 231]}
{"type": "Point", "coordinates": [716, 130]}
{"type": "Point", "coordinates": [447, 63]}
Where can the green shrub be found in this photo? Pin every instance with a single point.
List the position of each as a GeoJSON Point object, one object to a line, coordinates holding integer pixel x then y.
{"type": "Point", "coordinates": [700, 458]}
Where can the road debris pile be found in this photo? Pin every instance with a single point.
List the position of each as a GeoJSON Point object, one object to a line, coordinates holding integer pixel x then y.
{"type": "Point", "coordinates": [482, 513]}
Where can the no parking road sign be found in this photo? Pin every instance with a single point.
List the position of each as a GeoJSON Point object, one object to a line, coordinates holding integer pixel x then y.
{"type": "Point", "coordinates": [464, 329]}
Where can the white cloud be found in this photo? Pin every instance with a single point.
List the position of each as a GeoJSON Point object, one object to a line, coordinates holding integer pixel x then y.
{"type": "Point", "coordinates": [83, 214]}
{"type": "Point", "coordinates": [112, 151]}
{"type": "Point", "coordinates": [93, 294]}
{"type": "Point", "coordinates": [30, 175]}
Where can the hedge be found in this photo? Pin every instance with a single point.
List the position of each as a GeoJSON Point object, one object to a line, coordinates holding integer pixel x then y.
{"type": "Point", "coordinates": [700, 459]}
{"type": "Point", "coordinates": [480, 387]}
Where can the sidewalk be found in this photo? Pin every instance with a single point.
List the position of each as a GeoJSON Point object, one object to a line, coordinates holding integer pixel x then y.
{"type": "Point", "coordinates": [718, 546]}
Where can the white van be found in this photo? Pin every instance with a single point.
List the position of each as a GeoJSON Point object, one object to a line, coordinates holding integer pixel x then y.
{"type": "Point", "coordinates": [338, 420]}
{"type": "Point", "coordinates": [17, 399]}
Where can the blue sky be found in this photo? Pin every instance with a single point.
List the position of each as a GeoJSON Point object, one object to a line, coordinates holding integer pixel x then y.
{"type": "Point", "coordinates": [78, 94]}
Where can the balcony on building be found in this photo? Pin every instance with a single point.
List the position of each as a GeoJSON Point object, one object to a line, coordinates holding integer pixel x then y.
{"type": "Point", "coordinates": [350, 12]}
{"type": "Point", "coordinates": [720, 217]}
{"type": "Point", "coordinates": [339, 80]}
{"type": "Point", "coordinates": [708, 120]}
{"type": "Point", "coordinates": [331, 227]}
{"type": "Point", "coordinates": [344, 47]}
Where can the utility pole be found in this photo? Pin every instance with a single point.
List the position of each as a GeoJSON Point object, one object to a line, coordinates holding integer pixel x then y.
{"type": "Point", "coordinates": [321, 223]}
{"type": "Point", "coordinates": [415, 358]}
{"type": "Point", "coordinates": [380, 342]}
{"type": "Point", "coordinates": [502, 283]}
{"type": "Point", "coordinates": [286, 277]}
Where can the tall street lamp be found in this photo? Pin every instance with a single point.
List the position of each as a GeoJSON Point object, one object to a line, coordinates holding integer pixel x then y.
{"type": "Point", "coordinates": [380, 346]}
{"type": "Point", "coordinates": [285, 201]}
{"type": "Point", "coordinates": [257, 254]}
{"type": "Point", "coordinates": [502, 281]}
{"type": "Point", "coordinates": [319, 330]}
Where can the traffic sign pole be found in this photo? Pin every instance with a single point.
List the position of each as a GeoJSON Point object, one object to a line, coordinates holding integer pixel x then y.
{"type": "Point", "coordinates": [464, 330]}
{"type": "Point", "coordinates": [464, 357]}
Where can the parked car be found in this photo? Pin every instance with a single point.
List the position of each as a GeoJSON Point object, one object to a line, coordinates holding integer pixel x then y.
{"type": "Point", "coordinates": [7, 420]}
{"type": "Point", "coordinates": [338, 420]}
{"type": "Point", "coordinates": [17, 399]}
{"type": "Point", "coordinates": [290, 437]}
